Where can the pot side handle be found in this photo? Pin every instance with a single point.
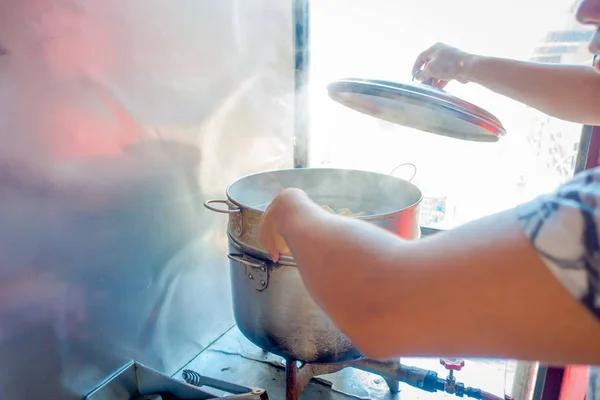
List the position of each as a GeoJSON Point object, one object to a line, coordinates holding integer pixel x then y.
{"type": "Point", "coordinates": [407, 164]}
{"type": "Point", "coordinates": [256, 272]}
{"type": "Point", "coordinates": [231, 208]}
{"type": "Point", "coordinates": [239, 257]}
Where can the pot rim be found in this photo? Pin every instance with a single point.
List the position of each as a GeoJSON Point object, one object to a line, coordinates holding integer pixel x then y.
{"type": "Point", "coordinates": [374, 217]}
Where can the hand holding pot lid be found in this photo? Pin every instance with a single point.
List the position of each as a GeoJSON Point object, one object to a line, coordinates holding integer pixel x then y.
{"type": "Point", "coordinates": [439, 65]}
{"type": "Point", "coordinates": [422, 106]}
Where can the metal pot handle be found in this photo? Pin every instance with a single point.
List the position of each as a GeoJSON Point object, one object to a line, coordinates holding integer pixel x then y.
{"type": "Point", "coordinates": [239, 257]}
{"type": "Point", "coordinates": [403, 165]}
{"type": "Point", "coordinates": [256, 272]}
{"type": "Point", "coordinates": [232, 208]}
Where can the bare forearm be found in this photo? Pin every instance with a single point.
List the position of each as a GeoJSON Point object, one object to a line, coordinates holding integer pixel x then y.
{"type": "Point", "coordinates": [566, 92]}
{"type": "Point", "coordinates": [319, 239]}
{"type": "Point", "coordinates": [437, 297]}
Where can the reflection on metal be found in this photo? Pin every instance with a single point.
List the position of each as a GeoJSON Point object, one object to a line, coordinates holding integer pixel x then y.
{"type": "Point", "coordinates": [302, 68]}
{"type": "Point", "coordinates": [112, 138]}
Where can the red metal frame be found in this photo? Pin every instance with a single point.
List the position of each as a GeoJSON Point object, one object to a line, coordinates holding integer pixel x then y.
{"type": "Point", "coordinates": [574, 383]}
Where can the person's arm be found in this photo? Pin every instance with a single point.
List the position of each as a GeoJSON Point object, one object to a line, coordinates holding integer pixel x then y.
{"type": "Point", "coordinates": [479, 290]}
{"type": "Point", "coordinates": [567, 92]}
{"type": "Point", "coordinates": [562, 91]}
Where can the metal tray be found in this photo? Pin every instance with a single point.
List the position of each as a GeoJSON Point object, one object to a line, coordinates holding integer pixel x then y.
{"type": "Point", "coordinates": [136, 381]}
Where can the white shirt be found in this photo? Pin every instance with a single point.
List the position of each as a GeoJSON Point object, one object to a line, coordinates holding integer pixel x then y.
{"type": "Point", "coordinates": [564, 228]}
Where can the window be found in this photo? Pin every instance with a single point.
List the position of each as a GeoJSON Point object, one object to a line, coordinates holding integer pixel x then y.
{"type": "Point", "coordinates": [461, 181]}
{"type": "Point", "coordinates": [547, 59]}
{"type": "Point", "coordinates": [556, 49]}
{"type": "Point", "coordinates": [570, 36]}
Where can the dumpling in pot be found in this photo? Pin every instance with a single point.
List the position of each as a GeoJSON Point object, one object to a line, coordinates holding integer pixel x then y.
{"type": "Point", "coordinates": [345, 212]}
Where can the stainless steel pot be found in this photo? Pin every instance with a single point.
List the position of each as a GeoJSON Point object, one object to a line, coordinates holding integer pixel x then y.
{"type": "Point", "coordinates": [275, 312]}
{"type": "Point", "coordinates": [387, 201]}
{"type": "Point", "coordinates": [271, 305]}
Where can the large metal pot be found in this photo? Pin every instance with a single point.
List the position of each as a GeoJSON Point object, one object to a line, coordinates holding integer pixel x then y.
{"type": "Point", "coordinates": [275, 312]}
{"type": "Point", "coordinates": [271, 305]}
{"type": "Point", "coordinates": [387, 201]}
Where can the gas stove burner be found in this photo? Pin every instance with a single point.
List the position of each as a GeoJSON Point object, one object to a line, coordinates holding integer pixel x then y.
{"type": "Point", "coordinates": [393, 372]}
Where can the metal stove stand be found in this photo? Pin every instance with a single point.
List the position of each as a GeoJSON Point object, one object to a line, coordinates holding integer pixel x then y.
{"type": "Point", "coordinates": [393, 372]}
{"type": "Point", "coordinates": [233, 358]}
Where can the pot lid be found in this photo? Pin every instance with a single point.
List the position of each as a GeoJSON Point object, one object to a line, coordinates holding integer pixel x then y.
{"type": "Point", "coordinates": [418, 106]}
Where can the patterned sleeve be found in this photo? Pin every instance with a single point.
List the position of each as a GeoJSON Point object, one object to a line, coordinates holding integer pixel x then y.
{"type": "Point", "coordinates": [564, 228]}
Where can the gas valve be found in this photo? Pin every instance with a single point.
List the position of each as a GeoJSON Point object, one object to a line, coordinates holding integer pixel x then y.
{"type": "Point", "coordinates": [452, 364]}
{"type": "Point", "coordinates": [431, 382]}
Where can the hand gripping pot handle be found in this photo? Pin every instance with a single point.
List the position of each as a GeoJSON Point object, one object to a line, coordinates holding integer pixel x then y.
{"type": "Point", "coordinates": [239, 257]}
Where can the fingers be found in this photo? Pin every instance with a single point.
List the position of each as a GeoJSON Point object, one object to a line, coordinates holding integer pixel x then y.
{"type": "Point", "coordinates": [269, 234]}
{"type": "Point", "coordinates": [424, 76]}
{"type": "Point", "coordinates": [437, 65]}
{"type": "Point", "coordinates": [427, 77]}
{"type": "Point", "coordinates": [281, 247]}
{"type": "Point", "coordinates": [274, 255]}
{"type": "Point", "coordinates": [269, 237]}
{"type": "Point", "coordinates": [440, 83]}
{"type": "Point", "coordinates": [437, 83]}
{"type": "Point", "coordinates": [424, 58]}
{"type": "Point", "coordinates": [266, 236]}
